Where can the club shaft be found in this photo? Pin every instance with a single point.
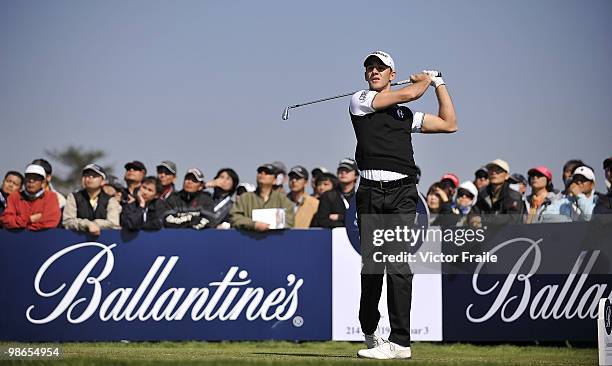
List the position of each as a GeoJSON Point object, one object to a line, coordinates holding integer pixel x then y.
{"type": "Point", "coordinates": [342, 95]}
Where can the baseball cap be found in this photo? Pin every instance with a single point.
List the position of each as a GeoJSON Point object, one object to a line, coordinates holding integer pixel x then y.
{"type": "Point", "coordinates": [137, 165]}
{"type": "Point", "coordinates": [271, 169]}
{"type": "Point", "coordinates": [95, 168]}
{"type": "Point", "coordinates": [451, 177]}
{"type": "Point", "coordinates": [168, 165]}
{"type": "Point", "coordinates": [383, 56]}
{"type": "Point", "coordinates": [197, 173]}
{"type": "Point", "coordinates": [36, 169]}
{"type": "Point", "coordinates": [584, 171]}
{"type": "Point", "coordinates": [319, 170]}
{"type": "Point", "coordinates": [607, 163]}
{"type": "Point", "coordinates": [280, 167]}
{"type": "Point", "coordinates": [348, 163]}
{"type": "Point", "coordinates": [248, 187]}
{"type": "Point", "coordinates": [482, 169]}
{"type": "Point", "coordinates": [300, 171]}
{"type": "Point", "coordinates": [542, 170]}
{"type": "Point", "coordinates": [518, 178]}
{"type": "Point", "coordinates": [500, 163]}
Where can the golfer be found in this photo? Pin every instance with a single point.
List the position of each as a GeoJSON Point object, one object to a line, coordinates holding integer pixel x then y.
{"type": "Point", "coordinates": [384, 156]}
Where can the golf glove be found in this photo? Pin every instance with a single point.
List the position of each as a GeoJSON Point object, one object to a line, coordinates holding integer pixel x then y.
{"type": "Point", "coordinates": [436, 81]}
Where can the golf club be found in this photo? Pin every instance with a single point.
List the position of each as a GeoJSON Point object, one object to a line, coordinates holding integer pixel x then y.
{"type": "Point", "coordinates": [286, 111]}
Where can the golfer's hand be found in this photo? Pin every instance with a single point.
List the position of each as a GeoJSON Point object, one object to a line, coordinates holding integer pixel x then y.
{"type": "Point", "coordinates": [261, 226]}
{"type": "Point", "coordinates": [436, 80]}
{"type": "Point", "coordinates": [415, 78]}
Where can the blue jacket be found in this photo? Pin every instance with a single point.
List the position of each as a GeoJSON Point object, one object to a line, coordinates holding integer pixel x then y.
{"type": "Point", "coordinates": [570, 208]}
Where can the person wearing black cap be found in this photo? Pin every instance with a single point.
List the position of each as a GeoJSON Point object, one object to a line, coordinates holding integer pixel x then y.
{"type": "Point", "coordinates": [265, 196]}
{"type": "Point", "coordinates": [191, 207]}
{"type": "Point", "coordinates": [384, 155]}
{"type": "Point", "coordinates": [316, 172]}
{"type": "Point", "coordinates": [333, 204]}
{"type": "Point", "coordinates": [91, 209]}
{"type": "Point", "coordinates": [135, 172]}
{"type": "Point", "coordinates": [166, 173]}
{"type": "Point", "coordinates": [305, 206]}
{"type": "Point", "coordinates": [604, 201]}
{"type": "Point", "coordinates": [481, 178]}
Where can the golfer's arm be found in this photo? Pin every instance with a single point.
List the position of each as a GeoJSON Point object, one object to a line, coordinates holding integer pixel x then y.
{"type": "Point", "coordinates": [445, 121]}
{"type": "Point", "coordinates": [387, 98]}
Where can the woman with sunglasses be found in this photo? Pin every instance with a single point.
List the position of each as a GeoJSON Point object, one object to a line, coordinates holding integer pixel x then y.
{"type": "Point", "coordinates": [542, 195]}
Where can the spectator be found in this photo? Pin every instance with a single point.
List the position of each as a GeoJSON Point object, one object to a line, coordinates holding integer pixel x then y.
{"type": "Point", "coordinates": [326, 182]}
{"type": "Point", "coordinates": [12, 182]}
{"type": "Point", "coordinates": [91, 209]}
{"type": "Point", "coordinates": [47, 183]}
{"type": "Point", "coordinates": [135, 172]}
{"type": "Point", "coordinates": [224, 186]}
{"type": "Point", "coordinates": [147, 211]}
{"type": "Point", "coordinates": [244, 187]}
{"type": "Point", "coordinates": [578, 205]}
{"type": "Point", "coordinates": [334, 203]}
{"type": "Point", "coordinates": [498, 204]}
{"type": "Point", "coordinates": [265, 196]}
{"type": "Point", "coordinates": [113, 187]}
{"type": "Point", "coordinates": [190, 207]}
{"type": "Point", "coordinates": [305, 206]}
{"type": "Point", "coordinates": [281, 175]}
{"type": "Point", "coordinates": [518, 182]}
{"type": "Point", "coordinates": [481, 178]}
{"type": "Point", "coordinates": [604, 202]}
{"type": "Point", "coordinates": [542, 195]}
{"type": "Point", "coordinates": [568, 170]}
{"type": "Point", "coordinates": [166, 173]}
{"type": "Point", "coordinates": [449, 183]}
{"type": "Point", "coordinates": [466, 197]}
{"type": "Point", "coordinates": [313, 181]}
{"type": "Point", "coordinates": [438, 204]}
{"type": "Point", "coordinates": [34, 208]}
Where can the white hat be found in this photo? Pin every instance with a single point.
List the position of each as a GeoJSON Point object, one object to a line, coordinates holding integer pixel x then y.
{"type": "Point", "coordinates": [586, 172]}
{"type": "Point", "coordinates": [36, 169]}
{"type": "Point", "coordinates": [383, 56]}
{"type": "Point", "coordinates": [470, 187]}
{"type": "Point", "coordinates": [500, 163]}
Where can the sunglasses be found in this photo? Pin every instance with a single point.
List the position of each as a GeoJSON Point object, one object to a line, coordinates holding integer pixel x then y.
{"type": "Point", "coordinates": [462, 193]}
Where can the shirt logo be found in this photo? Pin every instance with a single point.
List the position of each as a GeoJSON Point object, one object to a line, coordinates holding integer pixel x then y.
{"type": "Point", "coordinates": [362, 96]}
{"type": "Point", "coordinates": [400, 113]}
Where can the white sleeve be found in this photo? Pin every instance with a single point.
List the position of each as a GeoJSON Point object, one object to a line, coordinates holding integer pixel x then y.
{"type": "Point", "coordinates": [361, 102]}
{"type": "Point", "coordinates": [417, 121]}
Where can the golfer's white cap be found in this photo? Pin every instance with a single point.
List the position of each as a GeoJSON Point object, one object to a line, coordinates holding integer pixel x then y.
{"type": "Point", "coordinates": [383, 56]}
{"type": "Point", "coordinates": [36, 169]}
{"type": "Point", "coordinates": [586, 172]}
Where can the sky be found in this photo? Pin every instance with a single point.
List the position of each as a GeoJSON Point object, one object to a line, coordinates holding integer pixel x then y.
{"type": "Point", "coordinates": [204, 83]}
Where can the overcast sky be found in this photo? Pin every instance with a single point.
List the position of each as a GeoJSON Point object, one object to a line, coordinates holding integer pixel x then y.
{"type": "Point", "coordinates": [204, 83]}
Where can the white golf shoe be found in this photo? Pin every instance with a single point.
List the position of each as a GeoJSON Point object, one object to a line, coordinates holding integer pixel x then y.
{"type": "Point", "coordinates": [373, 340]}
{"type": "Point", "coordinates": [386, 351]}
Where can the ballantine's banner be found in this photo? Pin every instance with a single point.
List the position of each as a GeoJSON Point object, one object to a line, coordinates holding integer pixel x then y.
{"type": "Point", "coordinates": [167, 285]}
{"type": "Point", "coordinates": [551, 294]}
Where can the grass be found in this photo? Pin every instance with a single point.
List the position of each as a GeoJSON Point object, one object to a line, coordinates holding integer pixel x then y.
{"type": "Point", "coordinates": [309, 353]}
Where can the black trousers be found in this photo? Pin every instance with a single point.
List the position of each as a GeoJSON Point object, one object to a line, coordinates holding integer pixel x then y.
{"type": "Point", "coordinates": [374, 200]}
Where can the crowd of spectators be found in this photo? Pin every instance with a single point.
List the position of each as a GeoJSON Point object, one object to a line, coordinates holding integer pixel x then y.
{"type": "Point", "coordinates": [152, 202]}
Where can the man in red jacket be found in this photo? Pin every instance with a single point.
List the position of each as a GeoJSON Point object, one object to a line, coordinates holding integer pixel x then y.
{"type": "Point", "coordinates": [32, 208]}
